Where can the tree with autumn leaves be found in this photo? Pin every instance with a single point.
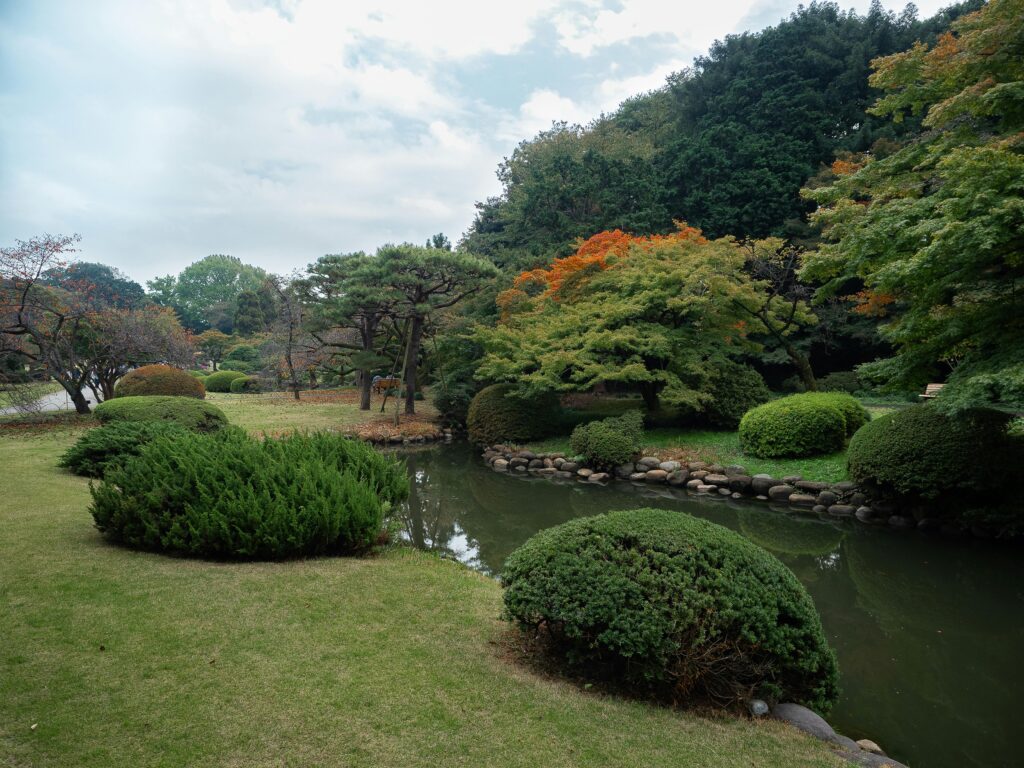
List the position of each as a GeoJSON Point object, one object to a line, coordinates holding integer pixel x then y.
{"type": "Point", "coordinates": [934, 228]}
{"type": "Point", "coordinates": [652, 314]}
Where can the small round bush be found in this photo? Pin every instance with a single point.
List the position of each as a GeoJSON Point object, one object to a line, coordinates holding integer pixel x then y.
{"type": "Point", "coordinates": [609, 442]}
{"type": "Point", "coordinates": [452, 403]}
{"type": "Point", "coordinates": [855, 415]}
{"type": "Point", "coordinates": [246, 384]}
{"type": "Point", "coordinates": [186, 411]}
{"type": "Point", "coordinates": [103, 447]}
{"type": "Point", "coordinates": [221, 380]}
{"type": "Point", "coordinates": [231, 496]}
{"type": "Point", "coordinates": [672, 605]}
{"type": "Point", "coordinates": [794, 426]}
{"type": "Point", "coordinates": [198, 374]}
{"type": "Point", "coordinates": [159, 380]}
{"type": "Point", "coordinates": [496, 415]}
{"type": "Point", "coordinates": [734, 390]}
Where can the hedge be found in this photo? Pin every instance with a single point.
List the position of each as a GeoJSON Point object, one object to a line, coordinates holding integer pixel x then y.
{"type": "Point", "coordinates": [228, 495]}
{"type": "Point", "coordinates": [103, 447]}
{"type": "Point", "coordinates": [496, 415]}
{"type": "Point", "coordinates": [185, 411]}
{"type": "Point", "coordinates": [159, 380]}
{"type": "Point", "coordinates": [609, 442]}
{"type": "Point", "coordinates": [799, 425]}
{"type": "Point", "coordinates": [221, 380]}
{"type": "Point", "coordinates": [671, 605]}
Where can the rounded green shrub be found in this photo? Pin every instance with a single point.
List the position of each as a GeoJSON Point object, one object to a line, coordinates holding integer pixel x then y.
{"type": "Point", "coordinates": [609, 442]}
{"type": "Point", "coordinates": [794, 426]}
{"type": "Point", "coordinates": [734, 390]}
{"type": "Point", "coordinates": [221, 380]}
{"type": "Point", "coordinates": [841, 381]}
{"type": "Point", "coordinates": [246, 384]}
{"type": "Point", "coordinates": [185, 411]}
{"type": "Point", "coordinates": [672, 605]}
{"type": "Point", "coordinates": [240, 366]}
{"type": "Point", "coordinates": [103, 447]}
{"type": "Point", "coordinates": [855, 415]}
{"type": "Point", "coordinates": [231, 496]}
{"type": "Point", "coordinates": [159, 380]}
{"type": "Point", "coordinates": [198, 374]}
{"type": "Point", "coordinates": [964, 467]}
{"type": "Point", "coordinates": [496, 415]}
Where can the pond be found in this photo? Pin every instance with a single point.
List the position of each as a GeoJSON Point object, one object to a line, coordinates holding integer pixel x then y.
{"type": "Point", "coordinates": [929, 632]}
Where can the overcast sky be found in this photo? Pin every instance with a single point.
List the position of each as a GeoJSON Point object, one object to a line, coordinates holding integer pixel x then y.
{"type": "Point", "coordinates": [277, 131]}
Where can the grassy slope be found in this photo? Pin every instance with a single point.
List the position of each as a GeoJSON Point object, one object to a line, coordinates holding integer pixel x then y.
{"type": "Point", "coordinates": [126, 658]}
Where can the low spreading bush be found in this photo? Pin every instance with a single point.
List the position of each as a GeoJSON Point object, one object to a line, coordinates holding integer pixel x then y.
{"type": "Point", "coordinates": [185, 411]}
{"type": "Point", "coordinates": [106, 446]}
{"type": "Point", "coordinates": [609, 442]}
{"type": "Point", "coordinates": [159, 380]}
{"type": "Point", "coordinates": [794, 426]}
{"type": "Point", "coordinates": [496, 415]}
{"type": "Point", "coordinates": [221, 380]}
{"type": "Point", "coordinates": [734, 390]}
{"type": "Point", "coordinates": [246, 384]}
{"type": "Point", "coordinates": [229, 495]}
{"type": "Point", "coordinates": [672, 605]}
{"type": "Point", "coordinates": [965, 468]}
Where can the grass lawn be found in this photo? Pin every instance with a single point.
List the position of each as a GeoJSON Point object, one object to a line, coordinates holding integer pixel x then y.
{"type": "Point", "coordinates": [110, 657]}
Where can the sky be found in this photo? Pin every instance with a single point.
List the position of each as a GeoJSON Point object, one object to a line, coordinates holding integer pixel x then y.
{"type": "Point", "coordinates": [280, 130]}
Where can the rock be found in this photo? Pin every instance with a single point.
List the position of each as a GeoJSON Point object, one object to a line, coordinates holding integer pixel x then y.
{"type": "Point", "coordinates": [819, 509]}
{"type": "Point", "coordinates": [757, 708]}
{"type": "Point", "coordinates": [517, 462]}
{"type": "Point", "coordinates": [844, 487]}
{"type": "Point", "coordinates": [599, 477]}
{"type": "Point", "coordinates": [625, 470]}
{"type": "Point", "coordinates": [694, 484]}
{"type": "Point", "coordinates": [864, 514]}
{"type": "Point", "coordinates": [705, 488]}
{"type": "Point", "coordinates": [558, 461]}
{"type": "Point", "coordinates": [569, 466]}
{"type": "Point", "coordinates": [700, 474]}
{"type": "Point", "coordinates": [656, 476]}
{"type": "Point", "coordinates": [901, 522]}
{"type": "Point", "coordinates": [649, 461]}
{"type": "Point", "coordinates": [696, 466]}
{"type": "Point", "coordinates": [548, 463]}
{"type": "Point", "coordinates": [804, 719]}
{"type": "Point", "coordinates": [679, 477]}
{"type": "Point", "coordinates": [564, 475]}
{"type": "Point", "coordinates": [736, 495]}
{"type": "Point", "coordinates": [528, 455]}
{"type": "Point", "coordinates": [802, 499]}
{"type": "Point", "coordinates": [841, 510]}
{"type": "Point", "coordinates": [760, 484]}
{"type": "Point", "coordinates": [638, 476]}
{"type": "Point", "coordinates": [544, 471]}
{"type": "Point", "coordinates": [792, 479]}
{"type": "Point", "coordinates": [780, 492]}
{"type": "Point", "coordinates": [869, 746]}
{"type": "Point", "coordinates": [735, 469]}
{"type": "Point", "coordinates": [810, 485]}
{"type": "Point", "coordinates": [584, 472]}
{"type": "Point", "coordinates": [740, 483]}
{"type": "Point", "coordinates": [501, 465]}
{"type": "Point", "coordinates": [520, 468]}
{"type": "Point", "coordinates": [535, 463]}
{"type": "Point", "coordinates": [827, 498]}
{"type": "Point", "coordinates": [724, 492]}
{"type": "Point", "coordinates": [716, 469]}
{"type": "Point", "coordinates": [670, 466]}
{"type": "Point", "coordinates": [715, 479]}
{"type": "Point", "coordinates": [858, 499]}
{"type": "Point", "coordinates": [556, 455]}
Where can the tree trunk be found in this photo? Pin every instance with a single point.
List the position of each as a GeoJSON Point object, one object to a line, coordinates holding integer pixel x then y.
{"type": "Point", "coordinates": [80, 401]}
{"type": "Point", "coordinates": [411, 358]}
{"type": "Point", "coordinates": [803, 367]}
{"type": "Point", "coordinates": [649, 392]}
{"type": "Point", "coordinates": [365, 382]}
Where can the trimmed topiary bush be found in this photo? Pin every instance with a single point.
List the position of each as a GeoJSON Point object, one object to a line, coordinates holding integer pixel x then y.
{"type": "Point", "coordinates": [496, 415]}
{"type": "Point", "coordinates": [221, 380]}
{"type": "Point", "coordinates": [794, 426]}
{"type": "Point", "coordinates": [103, 447]}
{"type": "Point", "coordinates": [246, 384]}
{"type": "Point", "coordinates": [159, 380]}
{"type": "Point", "coordinates": [734, 390]}
{"type": "Point", "coordinates": [185, 411]}
{"type": "Point", "coordinates": [855, 415]}
{"type": "Point", "coordinates": [228, 495]}
{"type": "Point", "coordinates": [609, 442]}
{"type": "Point", "coordinates": [962, 467]}
{"type": "Point", "coordinates": [672, 605]}
{"type": "Point", "coordinates": [198, 374]}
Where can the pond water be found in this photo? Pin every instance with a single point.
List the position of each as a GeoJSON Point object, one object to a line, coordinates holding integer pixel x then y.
{"type": "Point", "coordinates": [929, 632]}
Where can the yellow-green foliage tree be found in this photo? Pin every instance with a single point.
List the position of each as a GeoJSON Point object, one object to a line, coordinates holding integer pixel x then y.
{"type": "Point", "coordinates": [935, 229]}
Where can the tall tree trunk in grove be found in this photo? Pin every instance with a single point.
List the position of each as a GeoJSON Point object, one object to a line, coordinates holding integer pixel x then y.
{"type": "Point", "coordinates": [412, 355]}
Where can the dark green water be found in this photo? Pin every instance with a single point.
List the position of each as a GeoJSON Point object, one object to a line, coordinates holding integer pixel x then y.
{"type": "Point", "coordinates": [929, 632]}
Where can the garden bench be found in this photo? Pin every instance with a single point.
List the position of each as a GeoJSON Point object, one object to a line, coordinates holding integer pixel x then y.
{"type": "Point", "coordinates": [932, 390]}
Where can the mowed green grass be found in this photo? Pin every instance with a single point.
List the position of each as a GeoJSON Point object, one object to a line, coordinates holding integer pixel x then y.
{"type": "Point", "coordinates": [110, 657]}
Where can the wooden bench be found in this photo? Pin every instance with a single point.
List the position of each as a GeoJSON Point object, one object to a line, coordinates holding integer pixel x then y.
{"type": "Point", "coordinates": [382, 385]}
{"type": "Point", "coordinates": [932, 390]}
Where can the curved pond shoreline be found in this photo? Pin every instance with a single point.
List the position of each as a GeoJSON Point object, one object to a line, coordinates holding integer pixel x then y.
{"type": "Point", "coordinates": [927, 630]}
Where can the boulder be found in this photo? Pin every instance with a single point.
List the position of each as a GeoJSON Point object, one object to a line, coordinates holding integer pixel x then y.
{"type": "Point", "coordinates": [500, 465]}
{"type": "Point", "coordinates": [584, 472]}
{"type": "Point", "coordinates": [638, 476]}
{"type": "Point", "coordinates": [694, 484]}
{"type": "Point", "coordinates": [735, 469]}
{"type": "Point", "coordinates": [649, 461]}
{"type": "Point", "coordinates": [780, 492]}
{"type": "Point", "coordinates": [535, 463]}
{"type": "Point", "coordinates": [740, 483]}
{"type": "Point", "coordinates": [700, 474]}
{"type": "Point", "coordinates": [715, 479]}
{"type": "Point", "coordinates": [827, 498]}
{"type": "Point", "coordinates": [844, 487]}
{"type": "Point", "coordinates": [757, 708]}
{"type": "Point", "coordinates": [724, 492]}
{"type": "Point", "coordinates": [625, 470]}
{"type": "Point", "coordinates": [669, 466]}
{"type": "Point", "coordinates": [864, 514]}
{"type": "Point", "coordinates": [858, 499]}
{"type": "Point", "coordinates": [569, 466]}
{"type": "Point", "coordinates": [841, 510]}
{"type": "Point", "coordinates": [819, 509]}
{"type": "Point", "coordinates": [869, 746]}
{"type": "Point", "coordinates": [705, 488]}
{"type": "Point", "coordinates": [716, 469]}
{"type": "Point", "coordinates": [558, 461]}
{"type": "Point", "coordinates": [695, 466]}
{"type": "Point", "coordinates": [528, 455]}
{"type": "Point", "coordinates": [792, 479]}
{"type": "Point", "coordinates": [563, 475]}
{"type": "Point", "coordinates": [679, 477]}
{"type": "Point", "coordinates": [599, 477]}
{"type": "Point", "coordinates": [804, 719]}
{"type": "Point", "coordinates": [656, 476]}
{"type": "Point", "coordinates": [803, 499]}
{"type": "Point", "coordinates": [548, 463]}
{"type": "Point", "coordinates": [760, 484]}
{"type": "Point", "coordinates": [811, 485]}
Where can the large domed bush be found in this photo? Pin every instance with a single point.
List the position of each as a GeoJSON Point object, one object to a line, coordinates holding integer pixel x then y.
{"type": "Point", "coordinates": [734, 390]}
{"type": "Point", "coordinates": [159, 380]}
{"type": "Point", "coordinates": [855, 415]}
{"type": "Point", "coordinates": [228, 495]}
{"type": "Point", "coordinates": [112, 443]}
{"type": "Point", "coordinates": [794, 426]}
{"type": "Point", "coordinates": [496, 415]}
{"type": "Point", "coordinates": [221, 380]}
{"type": "Point", "coordinates": [673, 605]}
{"type": "Point", "coordinates": [185, 411]}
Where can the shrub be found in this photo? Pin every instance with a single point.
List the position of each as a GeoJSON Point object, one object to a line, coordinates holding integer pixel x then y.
{"type": "Point", "coordinates": [198, 374]}
{"type": "Point", "coordinates": [798, 425]}
{"type": "Point", "coordinates": [962, 467]}
{"type": "Point", "coordinates": [734, 390]}
{"type": "Point", "coordinates": [452, 403]}
{"type": "Point", "coordinates": [496, 415]}
{"type": "Point", "coordinates": [250, 384]}
{"type": "Point", "coordinates": [231, 496]}
{"type": "Point", "coordinates": [239, 366]}
{"type": "Point", "coordinates": [841, 381]}
{"type": "Point", "coordinates": [609, 442]}
{"type": "Point", "coordinates": [221, 380]}
{"type": "Point", "coordinates": [185, 411]}
{"type": "Point", "coordinates": [244, 353]}
{"type": "Point", "coordinates": [103, 447]}
{"type": "Point", "coordinates": [673, 605]}
{"type": "Point", "coordinates": [855, 415]}
{"type": "Point", "coordinates": [159, 380]}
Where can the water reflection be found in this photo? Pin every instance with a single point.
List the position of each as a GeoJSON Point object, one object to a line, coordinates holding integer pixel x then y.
{"type": "Point", "coordinates": [928, 632]}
